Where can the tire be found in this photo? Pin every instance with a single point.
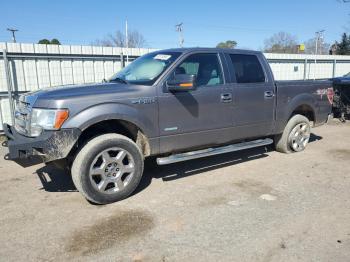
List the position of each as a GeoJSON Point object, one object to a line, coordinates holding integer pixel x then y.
{"type": "Point", "coordinates": [295, 136]}
{"type": "Point", "coordinates": [108, 168]}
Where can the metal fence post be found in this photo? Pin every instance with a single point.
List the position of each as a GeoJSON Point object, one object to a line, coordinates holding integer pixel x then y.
{"type": "Point", "coordinates": [334, 68]}
{"type": "Point", "coordinates": [305, 69]}
{"type": "Point", "coordinates": [9, 86]}
{"type": "Point", "coordinates": [122, 63]}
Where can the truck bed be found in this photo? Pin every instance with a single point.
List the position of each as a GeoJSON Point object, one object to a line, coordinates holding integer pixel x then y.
{"type": "Point", "coordinates": [317, 94]}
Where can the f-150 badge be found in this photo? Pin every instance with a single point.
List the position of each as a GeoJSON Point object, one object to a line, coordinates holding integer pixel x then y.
{"type": "Point", "coordinates": [321, 92]}
{"type": "Point", "coordinates": [144, 101]}
{"type": "Point", "coordinates": [326, 91]}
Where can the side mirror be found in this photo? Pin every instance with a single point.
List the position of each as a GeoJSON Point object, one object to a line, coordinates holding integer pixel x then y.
{"type": "Point", "coordinates": [181, 82]}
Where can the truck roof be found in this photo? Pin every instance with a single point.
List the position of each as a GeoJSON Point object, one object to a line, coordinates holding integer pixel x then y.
{"type": "Point", "coordinates": [212, 49]}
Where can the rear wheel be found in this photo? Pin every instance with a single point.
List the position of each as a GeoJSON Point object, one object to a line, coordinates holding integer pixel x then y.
{"type": "Point", "coordinates": [108, 168]}
{"type": "Point", "coordinates": [295, 136]}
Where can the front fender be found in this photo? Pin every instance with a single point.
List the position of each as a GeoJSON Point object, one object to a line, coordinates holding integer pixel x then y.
{"type": "Point", "coordinates": [108, 111]}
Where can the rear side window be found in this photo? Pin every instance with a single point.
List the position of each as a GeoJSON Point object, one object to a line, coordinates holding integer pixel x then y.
{"type": "Point", "coordinates": [247, 69]}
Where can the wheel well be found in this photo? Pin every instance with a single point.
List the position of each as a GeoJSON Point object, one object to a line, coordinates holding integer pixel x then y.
{"type": "Point", "coordinates": [121, 127]}
{"type": "Point", "coordinates": [306, 111]}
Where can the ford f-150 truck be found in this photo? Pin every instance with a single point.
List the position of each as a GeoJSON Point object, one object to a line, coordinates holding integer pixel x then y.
{"type": "Point", "coordinates": [177, 105]}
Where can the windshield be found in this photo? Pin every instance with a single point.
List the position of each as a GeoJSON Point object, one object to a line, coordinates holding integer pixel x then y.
{"type": "Point", "coordinates": [146, 69]}
{"type": "Point", "coordinates": [347, 75]}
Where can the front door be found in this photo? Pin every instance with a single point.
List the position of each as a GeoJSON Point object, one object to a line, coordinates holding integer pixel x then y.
{"type": "Point", "coordinates": [197, 118]}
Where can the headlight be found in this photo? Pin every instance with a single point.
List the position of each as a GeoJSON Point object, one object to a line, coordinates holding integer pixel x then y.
{"type": "Point", "coordinates": [48, 119]}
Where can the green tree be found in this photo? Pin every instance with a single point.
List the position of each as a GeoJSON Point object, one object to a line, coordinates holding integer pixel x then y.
{"type": "Point", "coordinates": [55, 42]}
{"type": "Point", "coordinates": [343, 48]}
{"type": "Point", "coordinates": [227, 44]}
{"type": "Point", "coordinates": [44, 42]}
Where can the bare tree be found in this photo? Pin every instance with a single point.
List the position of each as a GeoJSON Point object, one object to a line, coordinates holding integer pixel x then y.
{"type": "Point", "coordinates": [281, 42]}
{"type": "Point", "coordinates": [135, 40]}
{"type": "Point", "coordinates": [322, 47]}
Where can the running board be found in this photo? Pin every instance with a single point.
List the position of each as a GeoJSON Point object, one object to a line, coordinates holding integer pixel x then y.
{"type": "Point", "coordinates": [212, 151]}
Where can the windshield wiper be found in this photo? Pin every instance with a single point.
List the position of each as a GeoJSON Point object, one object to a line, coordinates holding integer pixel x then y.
{"type": "Point", "coordinates": [118, 79]}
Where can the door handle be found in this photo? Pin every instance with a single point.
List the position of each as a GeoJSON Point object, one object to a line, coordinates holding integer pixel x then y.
{"type": "Point", "coordinates": [269, 94]}
{"type": "Point", "coordinates": [225, 98]}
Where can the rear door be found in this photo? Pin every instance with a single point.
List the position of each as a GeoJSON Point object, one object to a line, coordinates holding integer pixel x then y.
{"type": "Point", "coordinates": [254, 95]}
{"type": "Point", "coordinates": [199, 117]}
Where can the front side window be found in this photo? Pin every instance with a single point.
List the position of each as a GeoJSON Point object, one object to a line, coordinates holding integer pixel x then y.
{"type": "Point", "coordinates": [206, 68]}
{"type": "Point", "coordinates": [247, 69]}
{"type": "Point", "coordinates": [146, 69]}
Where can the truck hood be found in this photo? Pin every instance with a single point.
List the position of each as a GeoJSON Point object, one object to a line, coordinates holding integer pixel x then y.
{"type": "Point", "coordinates": [88, 94]}
{"type": "Point", "coordinates": [70, 91]}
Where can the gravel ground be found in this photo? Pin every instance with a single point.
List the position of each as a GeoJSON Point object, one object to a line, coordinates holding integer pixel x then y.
{"type": "Point", "coordinates": [255, 205]}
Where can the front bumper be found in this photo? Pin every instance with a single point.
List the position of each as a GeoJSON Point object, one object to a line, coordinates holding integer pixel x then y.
{"type": "Point", "coordinates": [49, 146]}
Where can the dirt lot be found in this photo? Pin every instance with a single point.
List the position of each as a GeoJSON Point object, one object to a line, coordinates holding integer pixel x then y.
{"type": "Point", "coordinates": [256, 205]}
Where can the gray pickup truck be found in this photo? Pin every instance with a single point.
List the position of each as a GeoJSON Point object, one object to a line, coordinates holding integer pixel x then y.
{"type": "Point", "coordinates": [176, 104]}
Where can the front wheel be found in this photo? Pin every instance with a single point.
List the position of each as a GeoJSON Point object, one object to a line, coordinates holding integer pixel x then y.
{"type": "Point", "coordinates": [108, 168]}
{"type": "Point", "coordinates": [295, 136]}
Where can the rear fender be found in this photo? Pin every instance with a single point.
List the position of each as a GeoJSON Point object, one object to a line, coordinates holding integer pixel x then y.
{"type": "Point", "coordinates": [292, 105]}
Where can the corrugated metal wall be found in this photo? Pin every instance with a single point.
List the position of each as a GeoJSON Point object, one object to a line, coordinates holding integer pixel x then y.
{"type": "Point", "coordinates": [34, 66]}
{"type": "Point", "coordinates": [299, 66]}
{"type": "Point", "coordinates": [67, 64]}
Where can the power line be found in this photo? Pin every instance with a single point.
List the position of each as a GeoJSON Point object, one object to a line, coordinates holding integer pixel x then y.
{"type": "Point", "coordinates": [13, 31]}
{"type": "Point", "coordinates": [319, 37]}
{"type": "Point", "coordinates": [179, 30]}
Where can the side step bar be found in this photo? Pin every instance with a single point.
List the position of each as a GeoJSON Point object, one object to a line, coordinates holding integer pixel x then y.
{"type": "Point", "coordinates": [213, 151]}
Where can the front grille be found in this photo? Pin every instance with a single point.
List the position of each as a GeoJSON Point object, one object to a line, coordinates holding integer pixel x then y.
{"type": "Point", "coordinates": [22, 117]}
{"type": "Point", "coordinates": [23, 113]}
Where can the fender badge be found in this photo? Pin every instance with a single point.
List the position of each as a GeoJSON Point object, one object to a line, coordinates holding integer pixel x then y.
{"type": "Point", "coordinates": [144, 101]}
{"type": "Point", "coordinates": [171, 128]}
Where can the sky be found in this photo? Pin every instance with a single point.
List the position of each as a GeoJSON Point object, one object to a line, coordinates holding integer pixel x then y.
{"type": "Point", "coordinates": [205, 23]}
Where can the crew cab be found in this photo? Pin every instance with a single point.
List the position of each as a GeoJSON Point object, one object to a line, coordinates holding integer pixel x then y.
{"type": "Point", "coordinates": [175, 104]}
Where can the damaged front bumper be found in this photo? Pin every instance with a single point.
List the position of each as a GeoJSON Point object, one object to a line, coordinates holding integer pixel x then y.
{"type": "Point", "coordinates": [49, 146]}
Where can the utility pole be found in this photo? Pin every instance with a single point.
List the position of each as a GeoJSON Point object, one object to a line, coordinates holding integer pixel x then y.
{"type": "Point", "coordinates": [319, 36]}
{"type": "Point", "coordinates": [126, 42]}
{"type": "Point", "coordinates": [179, 30]}
{"type": "Point", "coordinates": [13, 31]}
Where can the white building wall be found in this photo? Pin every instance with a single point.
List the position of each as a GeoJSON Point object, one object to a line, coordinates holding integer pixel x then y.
{"type": "Point", "coordinates": [291, 66]}
{"type": "Point", "coordinates": [342, 68]}
{"type": "Point", "coordinates": [287, 70]}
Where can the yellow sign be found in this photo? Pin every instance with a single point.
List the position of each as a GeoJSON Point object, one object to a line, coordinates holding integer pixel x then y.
{"type": "Point", "coordinates": [301, 47]}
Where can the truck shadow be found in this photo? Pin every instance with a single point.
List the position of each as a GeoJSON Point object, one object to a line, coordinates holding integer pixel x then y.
{"type": "Point", "coordinates": [57, 180]}
{"type": "Point", "coordinates": [181, 170]}
{"type": "Point", "coordinates": [54, 179]}
{"type": "Point", "coordinates": [194, 167]}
